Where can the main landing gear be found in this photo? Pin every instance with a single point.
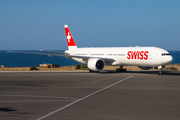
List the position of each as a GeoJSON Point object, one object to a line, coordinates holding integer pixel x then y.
{"type": "Point", "coordinates": [120, 69]}
{"type": "Point", "coordinates": [92, 71]}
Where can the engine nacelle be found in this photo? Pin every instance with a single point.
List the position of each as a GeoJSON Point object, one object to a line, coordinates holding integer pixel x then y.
{"type": "Point", "coordinates": [96, 64]}
{"type": "Point", "coordinates": [145, 68]}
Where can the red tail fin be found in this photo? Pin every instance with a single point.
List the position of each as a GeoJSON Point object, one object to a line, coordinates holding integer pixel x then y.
{"type": "Point", "coordinates": [70, 41]}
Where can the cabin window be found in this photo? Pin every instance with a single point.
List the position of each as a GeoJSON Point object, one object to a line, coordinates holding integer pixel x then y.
{"type": "Point", "coordinates": [97, 54]}
{"type": "Point", "coordinates": [116, 54]}
{"type": "Point", "coordinates": [79, 54]}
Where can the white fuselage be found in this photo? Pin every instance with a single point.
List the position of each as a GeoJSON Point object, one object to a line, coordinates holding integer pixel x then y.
{"type": "Point", "coordinates": [126, 56]}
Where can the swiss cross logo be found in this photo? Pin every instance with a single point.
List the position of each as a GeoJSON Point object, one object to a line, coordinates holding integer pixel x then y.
{"type": "Point", "coordinates": [69, 37]}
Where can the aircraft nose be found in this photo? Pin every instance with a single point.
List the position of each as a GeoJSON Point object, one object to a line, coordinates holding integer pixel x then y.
{"type": "Point", "coordinates": [169, 59]}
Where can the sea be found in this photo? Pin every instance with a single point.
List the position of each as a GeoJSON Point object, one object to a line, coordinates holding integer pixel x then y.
{"type": "Point", "coordinates": [10, 59]}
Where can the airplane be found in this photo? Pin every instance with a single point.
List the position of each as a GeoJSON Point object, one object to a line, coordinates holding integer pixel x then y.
{"type": "Point", "coordinates": [97, 58]}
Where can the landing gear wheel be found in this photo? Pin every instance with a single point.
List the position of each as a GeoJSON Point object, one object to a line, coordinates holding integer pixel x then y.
{"type": "Point", "coordinates": [120, 70]}
{"type": "Point", "coordinates": [160, 73]}
{"type": "Point", "coordinates": [91, 71]}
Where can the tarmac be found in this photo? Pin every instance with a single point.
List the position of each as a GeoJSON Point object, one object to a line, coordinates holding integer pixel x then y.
{"type": "Point", "coordinates": [79, 95]}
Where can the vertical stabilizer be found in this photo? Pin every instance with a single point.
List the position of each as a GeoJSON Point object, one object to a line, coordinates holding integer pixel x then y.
{"type": "Point", "coordinates": [70, 41]}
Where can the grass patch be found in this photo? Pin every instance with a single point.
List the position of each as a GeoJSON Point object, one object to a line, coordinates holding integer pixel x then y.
{"type": "Point", "coordinates": [33, 68]}
{"type": "Point", "coordinates": [171, 69]}
{"type": "Point", "coordinates": [81, 66]}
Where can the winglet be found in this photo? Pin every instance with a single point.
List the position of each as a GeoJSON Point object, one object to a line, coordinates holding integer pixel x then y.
{"type": "Point", "coordinates": [70, 41]}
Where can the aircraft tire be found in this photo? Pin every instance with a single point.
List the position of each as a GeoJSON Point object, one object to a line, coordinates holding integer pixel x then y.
{"type": "Point", "coordinates": [121, 70]}
{"type": "Point", "coordinates": [91, 71]}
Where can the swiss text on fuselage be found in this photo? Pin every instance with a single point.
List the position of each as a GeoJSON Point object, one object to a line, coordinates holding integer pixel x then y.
{"type": "Point", "coordinates": [140, 55]}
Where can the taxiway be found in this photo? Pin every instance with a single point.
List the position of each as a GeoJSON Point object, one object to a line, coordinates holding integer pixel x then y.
{"type": "Point", "coordinates": [134, 95]}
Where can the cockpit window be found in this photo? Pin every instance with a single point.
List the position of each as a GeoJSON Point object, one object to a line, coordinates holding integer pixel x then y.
{"type": "Point", "coordinates": [165, 54]}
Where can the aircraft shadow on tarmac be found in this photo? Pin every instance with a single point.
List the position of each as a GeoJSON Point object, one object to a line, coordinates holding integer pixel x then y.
{"type": "Point", "coordinates": [144, 72]}
{"type": "Point", "coordinates": [8, 109]}
{"type": "Point", "coordinates": [156, 72]}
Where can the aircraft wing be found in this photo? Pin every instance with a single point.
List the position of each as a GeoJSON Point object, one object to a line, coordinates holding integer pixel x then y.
{"type": "Point", "coordinates": [62, 54]}
{"type": "Point", "coordinates": [53, 51]}
{"type": "Point", "coordinates": [51, 55]}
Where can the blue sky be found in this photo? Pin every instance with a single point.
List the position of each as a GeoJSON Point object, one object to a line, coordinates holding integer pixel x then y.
{"type": "Point", "coordinates": [39, 24]}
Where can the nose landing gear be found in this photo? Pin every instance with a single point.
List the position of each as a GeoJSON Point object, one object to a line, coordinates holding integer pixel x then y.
{"type": "Point", "coordinates": [160, 73]}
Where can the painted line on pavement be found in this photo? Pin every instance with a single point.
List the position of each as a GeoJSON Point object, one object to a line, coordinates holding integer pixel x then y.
{"type": "Point", "coordinates": [101, 80]}
{"type": "Point", "coordinates": [51, 113]}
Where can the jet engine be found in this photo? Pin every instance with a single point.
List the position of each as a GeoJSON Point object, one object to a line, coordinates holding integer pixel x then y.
{"type": "Point", "coordinates": [96, 64]}
{"type": "Point", "coordinates": [145, 68]}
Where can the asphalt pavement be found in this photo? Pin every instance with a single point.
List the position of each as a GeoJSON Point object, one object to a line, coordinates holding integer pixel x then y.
{"type": "Point", "coordinates": [79, 95]}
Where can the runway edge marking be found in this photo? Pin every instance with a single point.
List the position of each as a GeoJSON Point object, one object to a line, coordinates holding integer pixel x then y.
{"type": "Point", "coordinates": [84, 98]}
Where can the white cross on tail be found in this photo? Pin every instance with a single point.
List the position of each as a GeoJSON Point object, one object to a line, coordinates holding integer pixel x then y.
{"type": "Point", "coordinates": [68, 37]}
